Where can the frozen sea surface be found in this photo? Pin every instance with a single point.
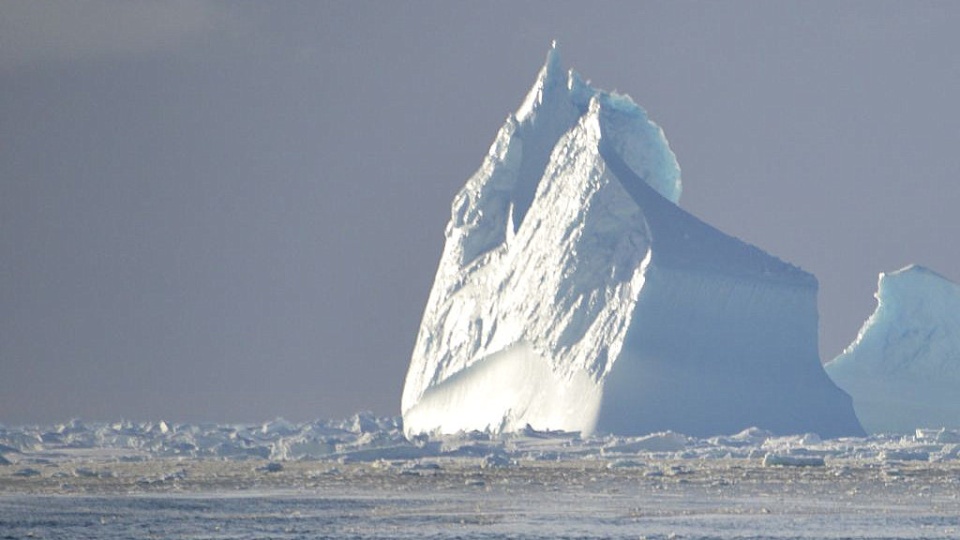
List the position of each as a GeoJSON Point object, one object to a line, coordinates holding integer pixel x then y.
{"type": "Point", "coordinates": [360, 479]}
{"type": "Point", "coordinates": [459, 499]}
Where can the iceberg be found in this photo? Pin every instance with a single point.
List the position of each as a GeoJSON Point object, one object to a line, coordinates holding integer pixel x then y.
{"type": "Point", "coordinates": [903, 370]}
{"type": "Point", "coordinates": [574, 294]}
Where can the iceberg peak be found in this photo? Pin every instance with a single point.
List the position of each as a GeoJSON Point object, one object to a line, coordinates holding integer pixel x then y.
{"type": "Point", "coordinates": [551, 80]}
{"type": "Point", "coordinates": [918, 279]}
{"type": "Point", "coordinates": [915, 295]}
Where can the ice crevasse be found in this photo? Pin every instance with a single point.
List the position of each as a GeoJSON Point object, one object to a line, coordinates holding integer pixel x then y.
{"type": "Point", "coordinates": [573, 293]}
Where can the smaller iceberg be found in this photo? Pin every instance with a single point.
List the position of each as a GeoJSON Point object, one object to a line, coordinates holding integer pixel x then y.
{"type": "Point", "coordinates": [903, 370]}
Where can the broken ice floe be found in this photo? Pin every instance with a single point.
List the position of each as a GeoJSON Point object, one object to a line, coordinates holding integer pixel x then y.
{"type": "Point", "coordinates": [367, 438]}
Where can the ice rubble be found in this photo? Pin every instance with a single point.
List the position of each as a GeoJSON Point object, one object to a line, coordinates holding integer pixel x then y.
{"type": "Point", "coordinates": [365, 438]}
{"type": "Point", "coordinates": [573, 293]}
{"type": "Point", "coordinates": [903, 370]}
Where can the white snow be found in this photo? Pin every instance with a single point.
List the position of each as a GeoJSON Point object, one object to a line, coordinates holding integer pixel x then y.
{"type": "Point", "coordinates": [529, 484]}
{"type": "Point", "coordinates": [903, 370]}
{"type": "Point", "coordinates": [574, 294]}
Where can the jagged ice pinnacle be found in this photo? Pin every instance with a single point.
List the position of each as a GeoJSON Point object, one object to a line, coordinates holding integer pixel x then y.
{"type": "Point", "coordinates": [573, 293]}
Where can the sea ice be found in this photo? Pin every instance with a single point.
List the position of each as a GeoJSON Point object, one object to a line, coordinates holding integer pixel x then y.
{"type": "Point", "coordinates": [574, 294]}
{"type": "Point", "coordinates": [383, 440]}
{"type": "Point", "coordinates": [903, 370]}
{"type": "Point", "coordinates": [773, 460]}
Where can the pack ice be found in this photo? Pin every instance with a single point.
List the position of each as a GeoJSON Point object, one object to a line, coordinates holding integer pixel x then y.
{"type": "Point", "coordinates": [574, 294]}
{"type": "Point", "coordinates": [903, 370]}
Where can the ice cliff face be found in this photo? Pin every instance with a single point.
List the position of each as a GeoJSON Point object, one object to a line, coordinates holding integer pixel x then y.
{"type": "Point", "coordinates": [573, 293]}
{"type": "Point", "coordinates": [903, 370]}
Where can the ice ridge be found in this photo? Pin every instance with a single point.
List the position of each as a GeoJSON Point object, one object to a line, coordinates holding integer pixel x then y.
{"type": "Point", "coordinates": [380, 440]}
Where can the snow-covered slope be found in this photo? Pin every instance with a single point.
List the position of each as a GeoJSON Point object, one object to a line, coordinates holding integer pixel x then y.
{"type": "Point", "coordinates": [573, 293]}
{"type": "Point", "coordinates": [903, 370]}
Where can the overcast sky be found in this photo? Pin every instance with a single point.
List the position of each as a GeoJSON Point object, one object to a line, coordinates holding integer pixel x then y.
{"type": "Point", "coordinates": [234, 211]}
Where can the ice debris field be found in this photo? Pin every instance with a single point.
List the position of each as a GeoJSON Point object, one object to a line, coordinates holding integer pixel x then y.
{"type": "Point", "coordinates": [362, 478]}
{"type": "Point", "coordinates": [47, 452]}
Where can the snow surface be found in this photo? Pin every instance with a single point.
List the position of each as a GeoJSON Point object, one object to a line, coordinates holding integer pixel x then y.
{"type": "Point", "coordinates": [451, 500]}
{"type": "Point", "coordinates": [361, 478]}
{"type": "Point", "coordinates": [457, 499]}
{"type": "Point", "coordinates": [903, 370]}
{"type": "Point", "coordinates": [574, 294]}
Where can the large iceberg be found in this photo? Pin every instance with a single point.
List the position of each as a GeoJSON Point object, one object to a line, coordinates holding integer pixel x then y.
{"type": "Point", "coordinates": [903, 370]}
{"type": "Point", "coordinates": [574, 294]}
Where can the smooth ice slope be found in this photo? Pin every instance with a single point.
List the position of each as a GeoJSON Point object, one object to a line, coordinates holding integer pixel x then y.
{"type": "Point", "coordinates": [574, 294]}
{"type": "Point", "coordinates": [903, 370]}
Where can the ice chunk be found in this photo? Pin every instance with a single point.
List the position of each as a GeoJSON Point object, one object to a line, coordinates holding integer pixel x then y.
{"type": "Point", "coordinates": [941, 435]}
{"type": "Point", "coordinates": [278, 426]}
{"type": "Point", "coordinates": [903, 455]}
{"type": "Point", "coordinates": [903, 370]}
{"type": "Point", "coordinates": [574, 294]}
{"type": "Point", "coordinates": [657, 442]}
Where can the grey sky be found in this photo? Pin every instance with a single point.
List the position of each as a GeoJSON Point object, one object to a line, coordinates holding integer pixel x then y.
{"type": "Point", "coordinates": [233, 211]}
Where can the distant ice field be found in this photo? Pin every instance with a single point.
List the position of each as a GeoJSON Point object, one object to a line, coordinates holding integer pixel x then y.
{"type": "Point", "coordinates": [359, 478]}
